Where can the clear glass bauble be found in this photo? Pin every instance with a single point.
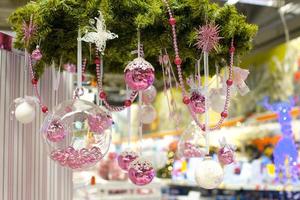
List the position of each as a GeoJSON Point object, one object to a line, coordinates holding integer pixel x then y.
{"type": "Point", "coordinates": [192, 142]}
{"type": "Point", "coordinates": [77, 133]}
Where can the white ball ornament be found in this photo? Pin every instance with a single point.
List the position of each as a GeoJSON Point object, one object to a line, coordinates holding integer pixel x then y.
{"type": "Point", "coordinates": [148, 114]}
{"type": "Point", "coordinates": [25, 112]}
{"type": "Point", "coordinates": [209, 174]}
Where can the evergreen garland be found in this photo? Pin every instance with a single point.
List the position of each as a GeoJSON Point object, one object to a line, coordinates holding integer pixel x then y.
{"type": "Point", "coordinates": [58, 22]}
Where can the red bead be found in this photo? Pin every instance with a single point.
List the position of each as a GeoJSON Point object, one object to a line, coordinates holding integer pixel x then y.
{"type": "Point", "coordinates": [127, 103]}
{"type": "Point", "coordinates": [83, 77]}
{"type": "Point", "coordinates": [102, 95]}
{"type": "Point", "coordinates": [186, 100]}
{"type": "Point", "coordinates": [44, 109]}
{"type": "Point", "coordinates": [97, 61]}
{"type": "Point", "coordinates": [203, 128]}
{"type": "Point", "coordinates": [232, 49]}
{"type": "Point", "coordinates": [178, 61]}
{"type": "Point", "coordinates": [229, 82]}
{"type": "Point", "coordinates": [34, 81]}
{"type": "Point", "coordinates": [224, 114]}
{"type": "Point", "coordinates": [172, 21]}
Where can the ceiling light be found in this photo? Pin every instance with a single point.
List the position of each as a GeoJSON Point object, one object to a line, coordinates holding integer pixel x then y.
{"type": "Point", "coordinates": [232, 2]}
{"type": "Point", "coordinates": [271, 3]}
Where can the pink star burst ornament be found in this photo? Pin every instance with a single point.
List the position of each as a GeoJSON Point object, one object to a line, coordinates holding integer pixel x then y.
{"type": "Point", "coordinates": [28, 29]}
{"type": "Point", "coordinates": [208, 37]}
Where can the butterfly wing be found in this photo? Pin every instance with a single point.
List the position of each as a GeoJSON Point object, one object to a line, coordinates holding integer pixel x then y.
{"type": "Point", "coordinates": [90, 37]}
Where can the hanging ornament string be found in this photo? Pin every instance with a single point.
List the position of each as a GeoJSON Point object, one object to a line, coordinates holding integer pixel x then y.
{"type": "Point", "coordinates": [178, 62]}
{"type": "Point", "coordinates": [128, 117]}
{"type": "Point", "coordinates": [140, 127]}
{"type": "Point", "coordinates": [206, 77]}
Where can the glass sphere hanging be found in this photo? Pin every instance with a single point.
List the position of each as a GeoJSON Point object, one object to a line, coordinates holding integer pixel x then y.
{"type": "Point", "coordinates": [149, 94]}
{"type": "Point", "coordinates": [148, 114]}
{"type": "Point", "coordinates": [209, 173]}
{"type": "Point", "coordinates": [141, 172]}
{"type": "Point", "coordinates": [77, 133]}
{"type": "Point", "coordinates": [139, 74]}
{"type": "Point", "coordinates": [197, 102]}
{"type": "Point", "coordinates": [192, 142]}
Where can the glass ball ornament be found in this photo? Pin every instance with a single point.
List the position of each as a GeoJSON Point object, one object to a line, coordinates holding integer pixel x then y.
{"type": "Point", "coordinates": [217, 100]}
{"type": "Point", "coordinates": [36, 54]}
{"type": "Point", "coordinates": [139, 74]}
{"type": "Point", "coordinates": [192, 142]}
{"type": "Point", "coordinates": [149, 94]}
{"type": "Point", "coordinates": [24, 109]}
{"type": "Point", "coordinates": [141, 172]}
{"type": "Point", "coordinates": [126, 157]}
{"type": "Point", "coordinates": [77, 133]}
{"type": "Point", "coordinates": [148, 114]}
{"type": "Point", "coordinates": [209, 173]}
{"type": "Point", "coordinates": [197, 103]}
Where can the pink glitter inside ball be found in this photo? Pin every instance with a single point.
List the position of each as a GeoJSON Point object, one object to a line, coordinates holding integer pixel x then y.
{"type": "Point", "coordinates": [139, 74]}
{"type": "Point", "coordinates": [197, 103]}
{"type": "Point", "coordinates": [99, 123]}
{"type": "Point", "coordinates": [226, 155]}
{"type": "Point", "coordinates": [141, 172]}
{"type": "Point", "coordinates": [125, 158]}
{"type": "Point", "coordinates": [56, 131]}
{"type": "Point", "coordinates": [191, 151]}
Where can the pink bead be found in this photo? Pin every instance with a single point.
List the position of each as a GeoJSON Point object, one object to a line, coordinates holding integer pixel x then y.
{"type": "Point", "coordinates": [177, 61]}
{"type": "Point", "coordinates": [141, 172]}
{"type": "Point", "coordinates": [226, 156]}
{"type": "Point", "coordinates": [186, 100]}
{"type": "Point", "coordinates": [229, 82]}
{"type": "Point", "coordinates": [172, 21]}
{"type": "Point", "coordinates": [125, 158]}
{"type": "Point", "coordinates": [102, 95]}
{"type": "Point", "coordinates": [197, 103]}
{"type": "Point", "coordinates": [224, 114]}
{"type": "Point", "coordinates": [56, 131]}
{"type": "Point", "coordinates": [36, 54]}
{"type": "Point", "coordinates": [139, 79]}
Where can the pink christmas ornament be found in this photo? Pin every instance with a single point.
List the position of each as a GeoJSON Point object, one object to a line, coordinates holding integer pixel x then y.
{"type": "Point", "coordinates": [192, 142]}
{"type": "Point", "coordinates": [125, 158]}
{"type": "Point", "coordinates": [139, 74]}
{"type": "Point", "coordinates": [99, 123]}
{"type": "Point", "coordinates": [197, 103]}
{"type": "Point", "coordinates": [56, 131]}
{"type": "Point", "coordinates": [77, 140]}
{"type": "Point", "coordinates": [226, 152]}
{"type": "Point", "coordinates": [208, 37]}
{"type": "Point", "coordinates": [149, 94]}
{"type": "Point", "coordinates": [36, 54]}
{"type": "Point", "coordinates": [141, 172]}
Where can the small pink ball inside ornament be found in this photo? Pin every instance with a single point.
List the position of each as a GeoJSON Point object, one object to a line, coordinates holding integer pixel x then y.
{"type": "Point", "coordinates": [139, 74]}
{"type": "Point", "coordinates": [100, 122]}
{"type": "Point", "coordinates": [192, 142]}
{"type": "Point", "coordinates": [56, 131]}
{"type": "Point", "coordinates": [36, 54]}
{"type": "Point", "coordinates": [148, 114]}
{"type": "Point", "coordinates": [125, 158]}
{"type": "Point", "coordinates": [197, 103]}
{"type": "Point", "coordinates": [141, 172]}
{"type": "Point", "coordinates": [149, 94]}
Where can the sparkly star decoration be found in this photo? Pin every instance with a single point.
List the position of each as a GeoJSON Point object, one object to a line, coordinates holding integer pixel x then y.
{"type": "Point", "coordinates": [28, 29]}
{"type": "Point", "coordinates": [208, 37]}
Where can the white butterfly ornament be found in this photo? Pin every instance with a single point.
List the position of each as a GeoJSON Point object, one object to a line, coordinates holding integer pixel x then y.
{"type": "Point", "coordinates": [99, 35]}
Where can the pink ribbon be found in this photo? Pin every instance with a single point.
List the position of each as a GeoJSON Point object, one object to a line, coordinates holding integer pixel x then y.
{"type": "Point", "coordinates": [239, 77]}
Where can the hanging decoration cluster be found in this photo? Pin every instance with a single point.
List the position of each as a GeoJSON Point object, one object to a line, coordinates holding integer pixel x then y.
{"type": "Point", "coordinates": [77, 132]}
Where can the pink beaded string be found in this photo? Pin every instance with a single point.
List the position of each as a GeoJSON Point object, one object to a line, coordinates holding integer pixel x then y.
{"type": "Point", "coordinates": [178, 63]}
{"type": "Point", "coordinates": [102, 94]}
